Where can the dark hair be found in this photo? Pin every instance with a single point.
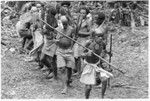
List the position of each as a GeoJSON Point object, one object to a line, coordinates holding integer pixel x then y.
{"type": "Point", "coordinates": [65, 3]}
{"type": "Point", "coordinates": [62, 11]}
{"type": "Point", "coordinates": [51, 18]}
{"type": "Point", "coordinates": [51, 10]}
{"type": "Point", "coordinates": [100, 18]}
{"type": "Point", "coordinates": [58, 6]}
{"type": "Point", "coordinates": [84, 8]}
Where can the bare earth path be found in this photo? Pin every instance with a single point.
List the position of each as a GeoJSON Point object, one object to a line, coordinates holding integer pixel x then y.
{"type": "Point", "coordinates": [21, 80]}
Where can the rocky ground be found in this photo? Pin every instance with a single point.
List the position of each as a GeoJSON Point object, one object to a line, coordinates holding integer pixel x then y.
{"type": "Point", "coordinates": [21, 80]}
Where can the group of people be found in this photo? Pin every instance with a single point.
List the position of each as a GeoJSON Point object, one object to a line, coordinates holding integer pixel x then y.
{"type": "Point", "coordinates": [67, 47]}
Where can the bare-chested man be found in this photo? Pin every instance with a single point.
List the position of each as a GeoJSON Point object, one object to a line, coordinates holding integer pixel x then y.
{"type": "Point", "coordinates": [65, 59]}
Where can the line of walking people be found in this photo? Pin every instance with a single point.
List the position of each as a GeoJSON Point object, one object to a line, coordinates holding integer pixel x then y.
{"type": "Point", "coordinates": [44, 27]}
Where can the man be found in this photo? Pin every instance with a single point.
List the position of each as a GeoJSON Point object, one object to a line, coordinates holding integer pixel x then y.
{"type": "Point", "coordinates": [65, 60]}
{"type": "Point", "coordinates": [36, 30]}
{"type": "Point", "coordinates": [48, 56]}
{"type": "Point", "coordinates": [64, 10]}
{"type": "Point", "coordinates": [24, 24]}
{"type": "Point", "coordinates": [84, 25]}
{"type": "Point", "coordinates": [92, 74]}
{"type": "Point", "coordinates": [91, 69]}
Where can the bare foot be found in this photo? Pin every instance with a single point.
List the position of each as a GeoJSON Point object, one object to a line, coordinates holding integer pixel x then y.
{"type": "Point", "coordinates": [64, 91]}
{"type": "Point", "coordinates": [49, 76]}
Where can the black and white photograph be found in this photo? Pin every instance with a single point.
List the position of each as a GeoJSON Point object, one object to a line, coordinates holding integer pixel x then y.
{"type": "Point", "coordinates": [84, 49]}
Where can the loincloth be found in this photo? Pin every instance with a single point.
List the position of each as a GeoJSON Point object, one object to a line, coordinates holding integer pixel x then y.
{"type": "Point", "coordinates": [88, 75]}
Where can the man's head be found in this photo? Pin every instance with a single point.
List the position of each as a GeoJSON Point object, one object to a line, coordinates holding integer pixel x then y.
{"type": "Point", "coordinates": [34, 9]}
{"type": "Point", "coordinates": [50, 10]}
{"type": "Point", "coordinates": [100, 18]}
{"type": "Point", "coordinates": [39, 6]}
{"type": "Point", "coordinates": [84, 11]}
{"type": "Point", "coordinates": [63, 11]}
{"type": "Point", "coordinates": [64, 21]}
{"type": "Point", "coordinates": [65, 4]}
{"type": "Point", "coordinates": [64, 7]}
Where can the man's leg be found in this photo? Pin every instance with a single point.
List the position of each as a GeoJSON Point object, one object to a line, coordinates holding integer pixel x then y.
{"type": "Point", "coordinates": [49, 64]}
{"type": "Point", "coordinates": [70, 63]}
{"type": "Point", "coordinates": [26, 44]}
{"type": "Point", "coordinates": [61, 64]}
{"type": "Point", "coordinates": [87, 91]}
{"type": "Point", "coordinates": [78, 65]}
{"type": "Point", "coordinates": [22, 45]}
{"type": "Point", "coordinates": [63, 72]}
{"type": "Point", "coordinates": [98, 80]}
{"type": "Point", "coordinates": [42, 60]}
{"type": "Point", "coordinates": [54, 67]}
{"type": "Point", "coordinates": [69, 74]}
{"type": "Point", "coordinates": [75, 70]}
{"type": "Point", "coordinates": [29, 44]}
{"type": "Point", "coordinates": [40, 56]}
{"type": "Point", "coordinates": [104, 86]}
{"type": "Point", "coordinates": [23, 41]}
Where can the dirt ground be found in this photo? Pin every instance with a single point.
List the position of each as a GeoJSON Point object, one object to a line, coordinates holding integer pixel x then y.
{"type": "Point", "coordinates": [21, 80]}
